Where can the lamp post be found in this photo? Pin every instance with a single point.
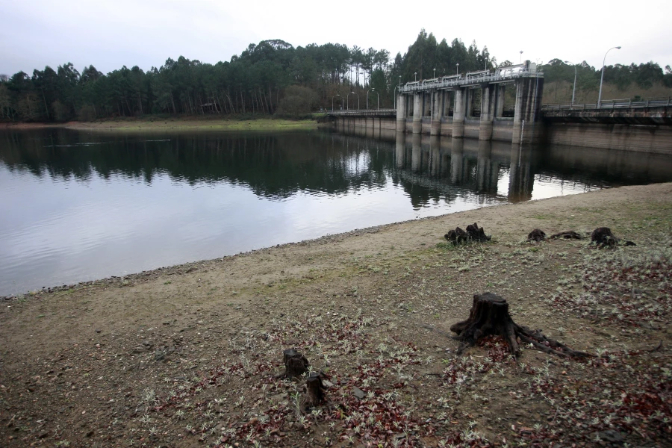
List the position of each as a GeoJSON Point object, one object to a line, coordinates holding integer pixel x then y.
{"type": "Point", "coordinates": [367, 98]}
{"type": "Point", "coordinates": [332, 102]}
{"type": "Point", "coordinates": [458, 68]}
{"type": "Point", "coordinates": [347, 101]}
{"type": "Point", "coordinates": [520, 60]}
{"type": "Point", "coordinates": [394, 94]}
{"type": "Point", "coordinates": [574, 88]}
{"type": "Point", "coordinates": [435, 72]}
{"type": "Point", "coordinates": [599, 96]}
{"type": "Point", "coordinates": [415, 75]}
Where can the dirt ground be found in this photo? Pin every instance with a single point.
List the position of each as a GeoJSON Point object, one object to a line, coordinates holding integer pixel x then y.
{"type": "Point", "coordinates": [191, 355]}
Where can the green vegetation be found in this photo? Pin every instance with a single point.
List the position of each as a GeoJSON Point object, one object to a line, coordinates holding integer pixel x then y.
{"type": "Point", "coordinates": [620, 81]}
{"type": "Point", "coordinates": [274, 77]}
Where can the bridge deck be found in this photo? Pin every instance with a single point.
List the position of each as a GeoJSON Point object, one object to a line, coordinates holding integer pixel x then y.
{"type": "Point", "coordinates": [365, 112]}
{"type": "Point", "coordinates": [472, 81]}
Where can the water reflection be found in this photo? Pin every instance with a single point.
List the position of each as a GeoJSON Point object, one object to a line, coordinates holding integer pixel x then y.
{"type": "Point", "coordinates": [78, 206]}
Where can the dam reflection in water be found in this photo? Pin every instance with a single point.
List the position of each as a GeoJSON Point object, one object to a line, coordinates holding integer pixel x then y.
{"type": "Point", "coordinates": [79, 206]}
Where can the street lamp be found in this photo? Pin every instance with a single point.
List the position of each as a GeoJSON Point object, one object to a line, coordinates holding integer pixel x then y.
{"type": "Point", "coordinates": [520, 61]}
{"type": "Point", "coordinates": [574, 88]}
{"type": "Point", "coordinates": [394, 94]}
{"type": "Point", "coordinates": [415, 75]}
{"type": "Point", "coordinates": [599, 96]}
{"type": "Point", "coordinates": [332, 102]}
{"type": "Point", "coordinates": [367, 98]}
{"type": "Point", "coordinates": [458, 68]}
{"type": "Point", "coordinates": [435, 72]}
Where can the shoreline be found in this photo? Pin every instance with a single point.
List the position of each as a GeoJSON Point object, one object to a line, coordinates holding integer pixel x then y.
{"type": "Point", "coordinates": [172, 124]}
{"type": "Point", "coordinates": [189, 354]}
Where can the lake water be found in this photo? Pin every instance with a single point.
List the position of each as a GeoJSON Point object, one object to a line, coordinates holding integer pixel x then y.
{"type": "Point", "coordinates": [78, 206]}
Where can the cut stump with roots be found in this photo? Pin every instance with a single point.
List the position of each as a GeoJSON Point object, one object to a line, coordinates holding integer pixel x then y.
{"type": "Point", "coordinates": [489, 315]}
{"type": "Point", "coordinates": [295, 363]}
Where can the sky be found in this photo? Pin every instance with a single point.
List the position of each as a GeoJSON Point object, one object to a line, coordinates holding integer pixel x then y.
{"type": "Point", "coordinates": [112, 33]}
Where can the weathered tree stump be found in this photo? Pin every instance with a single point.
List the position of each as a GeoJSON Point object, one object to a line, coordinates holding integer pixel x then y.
{"type": "Point", "coordinates": [536, 235]}
{"type": "Point", "coordinates": [603, 237]}
{"type": "Point", "coordinates": [473, 233]}
{"type": "Point", "coordinates": [489, 315]}
{"type": "Point", "coordinates": [295, 363]}
{"type": "Point", "coordinates": [315, 390]}
{"type": "Point", "coordinates": [477, 233]}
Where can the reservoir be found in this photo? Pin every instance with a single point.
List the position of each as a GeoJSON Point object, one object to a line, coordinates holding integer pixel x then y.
{"type": "Point", "coordinates": [78, 206]}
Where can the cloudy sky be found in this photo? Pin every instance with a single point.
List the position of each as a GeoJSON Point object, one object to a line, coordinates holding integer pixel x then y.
{"type": "Point", "coordinates": [113, 33]}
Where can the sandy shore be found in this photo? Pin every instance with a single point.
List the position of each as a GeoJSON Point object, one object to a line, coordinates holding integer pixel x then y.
{"type": "Point", "coordinates": [188, 354]}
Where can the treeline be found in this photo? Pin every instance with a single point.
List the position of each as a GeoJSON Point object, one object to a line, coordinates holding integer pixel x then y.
{"type": "Point", "coordinates": [271, 77]}
{"type": "Point", "coordinates": [644, 76]}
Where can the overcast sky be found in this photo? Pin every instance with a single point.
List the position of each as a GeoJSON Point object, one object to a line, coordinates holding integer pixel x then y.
{"type": "Point", "coordinates": [111, 33]}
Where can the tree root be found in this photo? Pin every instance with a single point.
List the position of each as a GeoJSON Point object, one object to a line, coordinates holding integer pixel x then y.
{"type": "Point", "coordinates": [489, 315]}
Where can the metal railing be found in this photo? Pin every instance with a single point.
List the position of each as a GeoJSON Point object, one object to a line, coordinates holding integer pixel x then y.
{"type": "Point", "coordinates": [612, 104]}
{"type": "Point", "coordinates": [368, 112]}
{"type": "Point", "coordinates": [470, 81]}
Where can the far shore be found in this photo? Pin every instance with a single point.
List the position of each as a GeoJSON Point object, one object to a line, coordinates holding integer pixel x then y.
{"type": "Point", "coordinates": [185, 123]}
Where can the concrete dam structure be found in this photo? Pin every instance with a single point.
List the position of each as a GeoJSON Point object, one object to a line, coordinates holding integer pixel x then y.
{"type": "Point", "coordinates": [507, 106]}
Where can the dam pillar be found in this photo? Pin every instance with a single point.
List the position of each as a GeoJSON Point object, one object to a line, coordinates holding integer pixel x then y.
{"type": "Point", "coordinates": [437, 112]}
{"type": "Point", "coordinates": [527, 125]}
{"type": "Point", "coordinates": [458, 113]}
{"type": "Point", "coordinates": [417, 112]}
{"type": "Point", "coordinates": [401, 113]}
{"type": "Point", "coordinates": [499, 106]}
{"type": "Point", "coordinates": [487, 112]}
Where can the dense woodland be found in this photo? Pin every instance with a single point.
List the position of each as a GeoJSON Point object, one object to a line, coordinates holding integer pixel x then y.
{"type": "Point", "coordinates": [272, 77]}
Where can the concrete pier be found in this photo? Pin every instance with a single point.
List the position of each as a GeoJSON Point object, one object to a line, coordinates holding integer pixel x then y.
{"type": "Point", "coordinates": [458, 114]}
{"type": "Point", "coordinates": [527, 125]}
{"type": "Point", "coordinates": [401, 113]}
{"type": "Point", "coordinates": [487, 112]}
{"type": "Point", "coordinates": [436, 113]}
{"type": "Point", "coordinates": [417, 113]}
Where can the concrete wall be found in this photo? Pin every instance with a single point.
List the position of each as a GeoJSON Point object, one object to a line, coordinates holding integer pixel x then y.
{"type": "Point", "coordinates": [649, 139]}
{"type": "Point", "coordinates": [652, 139]}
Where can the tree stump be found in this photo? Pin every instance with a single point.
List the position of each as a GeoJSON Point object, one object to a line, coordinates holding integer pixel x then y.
{"type": "Point", "coordinates": [295, 363]}
{"type": "Point", "coordinates": [473, 233]}
{"type": "Point", "coordinates": [603, 237]}
{"type": "Point", "coordinates": [489, 315]}
{"type": "Point", "coordinates": [536, 235]}
{"type": "Point", "coordinates": [315, 390]}
{"type": "Point", "coordinates": [477, 233]}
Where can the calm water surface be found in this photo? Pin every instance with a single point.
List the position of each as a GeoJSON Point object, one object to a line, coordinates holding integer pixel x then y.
{"type": "Point", "coordinates": [78, 206]}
